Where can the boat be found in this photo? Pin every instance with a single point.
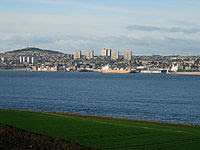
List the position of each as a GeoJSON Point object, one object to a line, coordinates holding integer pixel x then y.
{"type": "Point", "coordinates": [185, 73]}
{"type": "Point", "coordinates": [107, 69]}
{"type": "Point", "coordinates": [175, 71]}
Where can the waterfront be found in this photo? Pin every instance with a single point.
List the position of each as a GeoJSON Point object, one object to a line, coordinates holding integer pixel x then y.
{"type": "Point", "coordinates": [157, 97]}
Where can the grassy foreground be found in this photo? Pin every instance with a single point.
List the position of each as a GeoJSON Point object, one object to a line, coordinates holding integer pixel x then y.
{"type": "Point", "coordinates": [105, 133]}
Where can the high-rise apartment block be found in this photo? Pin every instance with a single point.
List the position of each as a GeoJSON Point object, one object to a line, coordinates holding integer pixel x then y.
{"type": "Point", "coordinates": [109, 52]}
{"type": "Point", "coordinates": [28, 59]}
{"type": "Point", "coordinates": [24, 59]}
{"type": "Point", "coordinates": [34, 60]}
{"type": "Point", "coordinates": [106, 52]}
{"type": "Point", "coordinates": [89, 54]}
{"type": "Point", "coordinates": [4, 59]}
{"type": "Point", "coordinates": [115, 55]}
{"type": "Point", "coordinates": [127, 55]}
{"type": "Point", "coordinates": [103, 52]}
{"type": "Point", "coordinates": [20, 59]}
{"type": "Point", "coordinates": [77, 54]}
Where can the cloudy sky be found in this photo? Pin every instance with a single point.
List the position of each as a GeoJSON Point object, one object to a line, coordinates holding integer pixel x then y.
{"type": "Point", "coordinates": [144, 26]}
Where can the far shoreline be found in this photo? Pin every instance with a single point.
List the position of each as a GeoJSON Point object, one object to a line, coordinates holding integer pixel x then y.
{"type": "Point", "coordinates": [170, 73]}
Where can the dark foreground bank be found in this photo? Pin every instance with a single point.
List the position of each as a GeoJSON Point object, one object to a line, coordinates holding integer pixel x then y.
{"type": "Point", "coordinates": [12, 138]}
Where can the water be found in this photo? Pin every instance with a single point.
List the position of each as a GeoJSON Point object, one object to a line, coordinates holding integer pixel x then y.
{"type": "Point", "coordinates": [158, 97]}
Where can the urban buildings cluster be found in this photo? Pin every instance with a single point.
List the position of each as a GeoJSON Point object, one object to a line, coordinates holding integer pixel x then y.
{"type": "Point", "coordinates": [35, 59]}
{"type": "Point", "coordinates": [104, 53]}
{"type": "Point", "coordinates": [28, 59]}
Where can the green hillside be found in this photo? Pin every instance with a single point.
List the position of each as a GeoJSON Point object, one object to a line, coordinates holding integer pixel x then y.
{"type": "Point", "coordinates": [105, 133]}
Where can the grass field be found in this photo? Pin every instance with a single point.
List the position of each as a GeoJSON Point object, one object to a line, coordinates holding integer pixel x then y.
{"type": "Point", "coordinates": [105, 133]}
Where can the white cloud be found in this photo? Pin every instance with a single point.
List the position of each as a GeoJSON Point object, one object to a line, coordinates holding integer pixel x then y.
{"type": "Point", "coordinates": [66, 33]}
{"type": "Point", "coordinates": [90, 6]}
{"type": "Point", "coordinates": [60, 24]}
{"type": "Point", "coordinates": [68, 43]}
{"type": "Point", "coordinates": [162, 29]}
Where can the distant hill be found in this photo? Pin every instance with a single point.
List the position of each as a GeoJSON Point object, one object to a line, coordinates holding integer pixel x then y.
{"type": "Point", "coordinates": [34, 49]}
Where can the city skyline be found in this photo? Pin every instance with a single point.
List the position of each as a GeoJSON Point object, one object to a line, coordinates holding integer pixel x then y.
{"type": "Point", "coordinates": [144, 27]}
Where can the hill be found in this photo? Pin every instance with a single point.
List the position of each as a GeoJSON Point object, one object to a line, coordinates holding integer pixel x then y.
{"type": "Point", "coordinates": [33, 50]}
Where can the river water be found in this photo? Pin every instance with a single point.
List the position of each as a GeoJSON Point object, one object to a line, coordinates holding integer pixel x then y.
{"type": "Point", "coordinates": [157, 97]}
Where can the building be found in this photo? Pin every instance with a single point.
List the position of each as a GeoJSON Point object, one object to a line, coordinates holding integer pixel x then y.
{"type": "Point", "coordinates": [127, 55]}
{"type": "Point", "coordinates": [109, 52]}
{"type": "Point", "coordinates": [159, 71]}
{"type": "Point", "coordinates": [28, 59]}
{"type": "Point", "coordinates": [77, 54]}
{"type": "Point", "coordinates": [24, 59]}
{"type": "Point", "coordinates": [115, 55]}
{"type": "Point", "coordinates": [89, 54]}
{"type": "Point", "coordinates": [106, 52]}
{"type": "Point", "coordinates": [35, 68]}
{"type": "Point", "coordinates": [4, 59]}
{"type": "Point", "coordinates": [55, 68]}
{"type": "Point", "coordinates": [34, 60]}
{"type": "Point", "coordinates": [20, 59]}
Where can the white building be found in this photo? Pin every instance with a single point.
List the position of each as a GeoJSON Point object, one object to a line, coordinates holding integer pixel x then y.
{"type": "Point", "coordinates": [28, 59]}
{"type": "Point", "coordinates": [115, 55]}
{"type": "Point", "coordinates": [77, 54]}
{"type": "Point", "coordinates": [127, 55]}
{"type": "Point", "coordinates": [106, 52]}
{"type": "Point", "coordinates": [89, 54]}
{"type": "Point", "coordinates": [4, 59]}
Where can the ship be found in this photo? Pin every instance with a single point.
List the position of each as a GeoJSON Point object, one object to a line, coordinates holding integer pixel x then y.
{"type": "Point", "coordinates": [175, 71]}
{"type": "Point", "coordinates": [185, 73]}
{"type": "Point", "coordinates": [107, 69]}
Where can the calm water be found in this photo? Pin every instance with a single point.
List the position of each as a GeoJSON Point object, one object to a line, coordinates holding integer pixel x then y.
{"type": "Point", "coordinates": [170, 98]}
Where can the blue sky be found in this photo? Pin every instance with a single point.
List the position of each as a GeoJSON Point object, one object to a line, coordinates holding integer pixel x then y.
{"type": "Point", "coordinates": [144, 26]}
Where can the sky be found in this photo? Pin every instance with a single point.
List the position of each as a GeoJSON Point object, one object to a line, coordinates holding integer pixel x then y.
{"type": "Point", "coordinates": [146, 27]}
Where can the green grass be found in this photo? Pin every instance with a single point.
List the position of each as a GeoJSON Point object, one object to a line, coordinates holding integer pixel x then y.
{"type": "Point", "coordinates": [105, 133]}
